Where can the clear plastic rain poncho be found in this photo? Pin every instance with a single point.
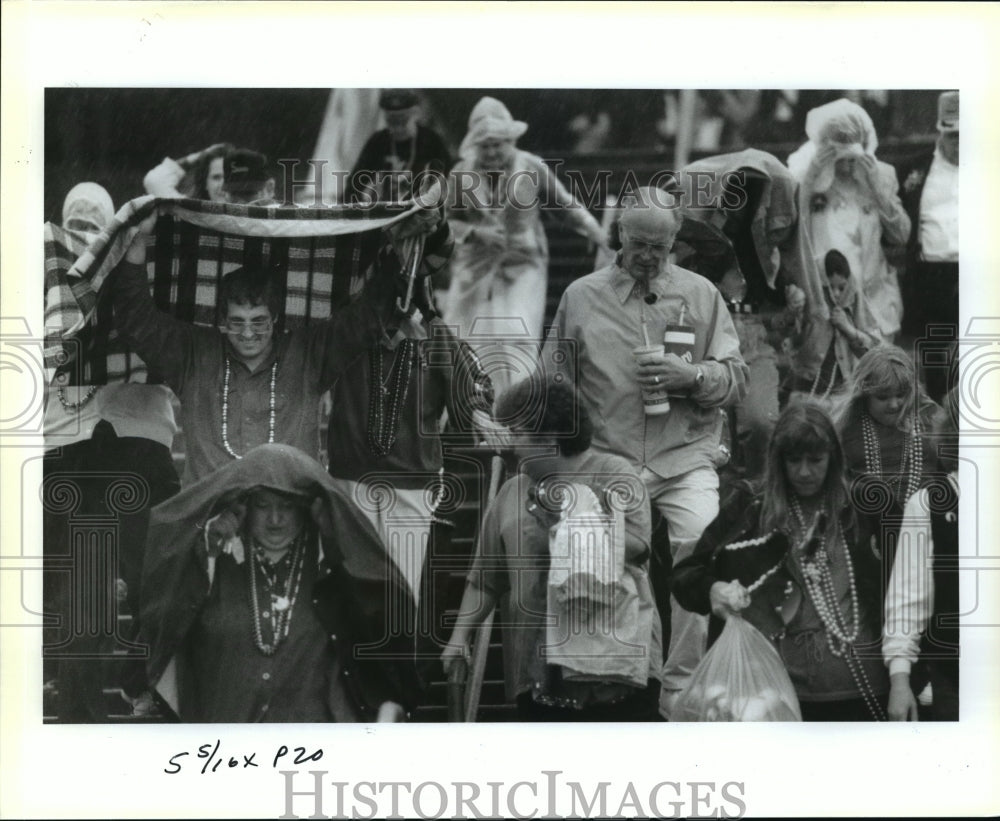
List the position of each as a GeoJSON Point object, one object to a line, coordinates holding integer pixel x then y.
{"type": "Point", "coordinates": [853, 215]}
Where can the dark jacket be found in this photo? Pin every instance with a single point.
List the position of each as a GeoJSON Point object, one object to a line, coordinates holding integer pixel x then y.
{"type": "Point", "coordinates": [753, 211]}
{"type": "Point", "coordinates": [912, 174]}
{"type": "Point", "coordinates": [777, 600]}
{"type": "Point", "coordinates": [429, 154]}
{"type": "Point", "coordinates": [356, 580]}
{"type": "Point", "coordinates": [444, 373]}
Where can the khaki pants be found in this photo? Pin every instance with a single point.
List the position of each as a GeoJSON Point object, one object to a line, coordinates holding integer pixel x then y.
{"type": "Point", "coordinates": [689, 503]}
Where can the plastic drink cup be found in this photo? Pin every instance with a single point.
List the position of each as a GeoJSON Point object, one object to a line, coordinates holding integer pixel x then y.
{"type": "Point", "coordinates": [655, 400]}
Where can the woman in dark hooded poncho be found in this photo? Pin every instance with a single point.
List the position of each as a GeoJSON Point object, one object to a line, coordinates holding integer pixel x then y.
{"type": "Point", "coordinates": [267, 596]}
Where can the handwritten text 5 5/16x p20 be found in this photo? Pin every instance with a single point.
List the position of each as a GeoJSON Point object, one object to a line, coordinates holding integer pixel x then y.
{"type": "Point", "coordinates": [209, 758]}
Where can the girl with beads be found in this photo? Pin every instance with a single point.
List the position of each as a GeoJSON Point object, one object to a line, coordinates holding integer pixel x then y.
{"type": "Point", "coordinates": [799, 563]}
{"type": "Point", "coordinates": [882, 427]}
{"type": "Point", "coordinates": [260, 583]}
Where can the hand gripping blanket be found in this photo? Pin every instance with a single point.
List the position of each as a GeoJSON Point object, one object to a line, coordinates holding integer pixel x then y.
{"type": "Point", "coordinates": [316, 256]}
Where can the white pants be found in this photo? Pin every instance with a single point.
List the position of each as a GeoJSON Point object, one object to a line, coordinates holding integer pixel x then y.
{"type": "Point", "coordinates": [689, 503]}
{"type": "Point", "coordinates": [402, 519]}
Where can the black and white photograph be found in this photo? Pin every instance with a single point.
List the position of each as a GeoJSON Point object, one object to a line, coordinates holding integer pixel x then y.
{"type": "Point", "coordinates": [391, 440]}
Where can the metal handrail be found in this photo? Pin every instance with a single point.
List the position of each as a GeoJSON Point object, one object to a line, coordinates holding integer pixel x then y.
{"type": "Point", "coordinates": [465, 680]}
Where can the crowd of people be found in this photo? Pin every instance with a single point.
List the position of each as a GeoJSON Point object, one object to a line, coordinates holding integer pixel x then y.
{"type": "Point", "coordinates": [718, 423]}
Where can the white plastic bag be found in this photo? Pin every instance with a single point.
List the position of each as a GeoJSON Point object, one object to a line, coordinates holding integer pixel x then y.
{"type": "Point", "coordinates": [586, 549]}
{"type": "Point", "coordinates": [741, 678]}
{"type": "Point", "coordinates": [597, 626]}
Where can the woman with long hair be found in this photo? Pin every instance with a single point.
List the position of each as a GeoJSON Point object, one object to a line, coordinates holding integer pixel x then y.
{"type": "Point", "coordinates": [797, 561]}
{"type": "Point", "coordinates": [206, 175]}
{"type": "Point", "coordinates": [200, 175]}
{"type": "Point", "coordinates": [884, 423]}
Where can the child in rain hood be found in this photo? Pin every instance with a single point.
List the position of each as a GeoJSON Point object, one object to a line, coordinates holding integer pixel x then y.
{"type": "Point", "coordinates": [843, 338]}
{"type": "Point", "coordinates": [844, 313]}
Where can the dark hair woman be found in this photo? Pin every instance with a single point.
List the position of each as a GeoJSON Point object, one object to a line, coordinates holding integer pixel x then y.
{"type": "Point", "coordinates": [597, 660]}
{"type": "Point", "coordinates": [206, 175]}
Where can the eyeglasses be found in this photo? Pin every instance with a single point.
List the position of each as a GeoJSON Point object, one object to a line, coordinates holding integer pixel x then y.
{"type": "Point", "coordinates": [257, 326]}
{"type": "Point", "coordinates": [656, 248]}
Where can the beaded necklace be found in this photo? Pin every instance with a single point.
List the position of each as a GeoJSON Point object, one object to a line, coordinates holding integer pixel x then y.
{"type": "Point", "coordinates": [280, 602]}
{"type": "Point", "coordinates": [913, 453]}
{"type": "Point", "coordinates": [73, 407]}
{"type": "Point", "coordinates": [225, 410]}
{"type": "Point", "coordinates": [840, 633]}
{"type": "Point", "coordinates": [387, 395]}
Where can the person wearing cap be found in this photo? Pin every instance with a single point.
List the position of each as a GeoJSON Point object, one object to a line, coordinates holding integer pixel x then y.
{"type": "Point", "coordinates": [601, 319]}
{"type": "Point", "coordinates": [397, 154]}
{"type": "Point", "coordinates": [499, 273]}
{"type": "Point", "coordinates": [95, 436]}
{"type": "Point", "coordinates": [929, 184]}
{"type": "Point", "coordinates": [248, 179]}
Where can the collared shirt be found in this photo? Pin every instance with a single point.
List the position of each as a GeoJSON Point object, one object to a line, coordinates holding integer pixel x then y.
{"type": "Point", "coordinates": [192, 361]}
{"type": "Point", "coordinates": [939, 212]}
{"type": "Point", "coordinates": [596, 328]}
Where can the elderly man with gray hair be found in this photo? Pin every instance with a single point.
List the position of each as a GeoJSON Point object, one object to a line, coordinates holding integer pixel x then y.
{"type": "Point", "coordinates": [654, 354]}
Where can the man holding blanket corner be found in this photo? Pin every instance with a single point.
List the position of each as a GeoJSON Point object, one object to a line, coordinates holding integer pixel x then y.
{"type": "Point", "coordinates": [243, 385]}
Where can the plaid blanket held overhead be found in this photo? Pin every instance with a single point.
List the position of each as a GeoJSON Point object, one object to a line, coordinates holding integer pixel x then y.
{"type": "Point", "coordinates": [316, 256]}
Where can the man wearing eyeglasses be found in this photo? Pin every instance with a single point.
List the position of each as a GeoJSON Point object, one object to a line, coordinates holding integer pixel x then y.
{"type": "Point", "coordinates": [643, 300]}
{"type": "Point", "coordinates": [243, 385]}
